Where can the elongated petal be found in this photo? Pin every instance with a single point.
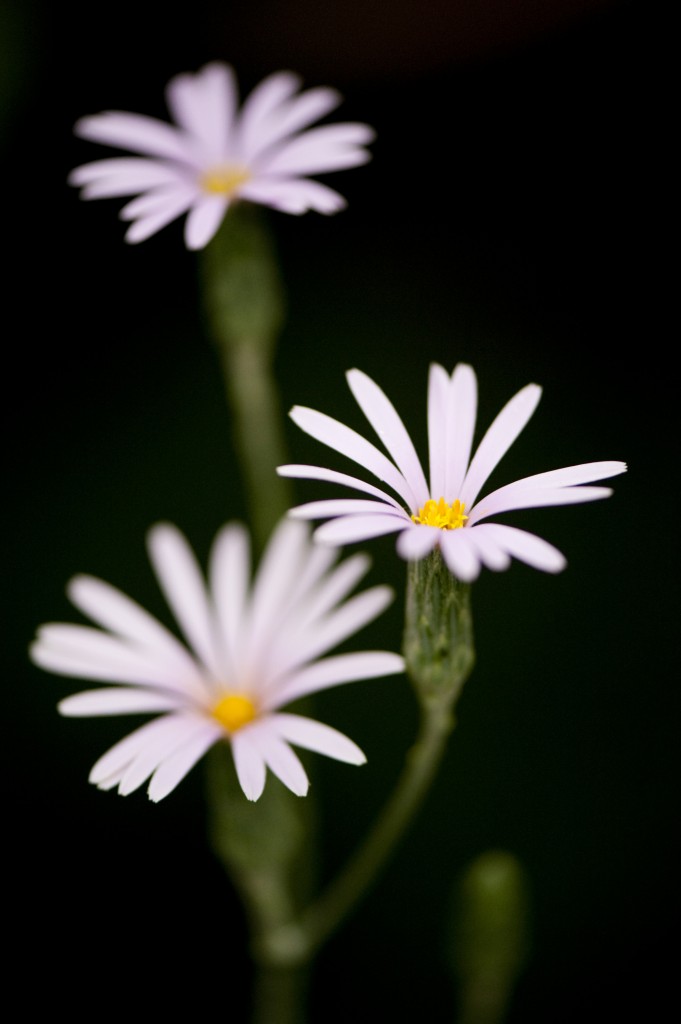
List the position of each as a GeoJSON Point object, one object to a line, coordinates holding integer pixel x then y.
{"type": "Point", "coordinates": [117, 701]}
{"type": "Point", "coordinates": [342, 668]}
{"type": "Point", "coordinates": [122, 176]}
{"type": "Point", "coordinates": [182, 583]}
{"type": "Point", "coordinates": [279, 757]}
{"type": "Point", "coordinates": [173, 207]}
{"type": "Point", "coordinates": [383, 417]}
{"type": "Point", "coordinates": [178, 732]}
{"type": "Point", "coordinates": [204, 105]}
{"type": "Point", "coordinates": [333, 477]}
{"type": "Point", "coordinates": [350, 529]}
{"type": "Point", "coordinates": [136, 132]}
{"type": "Point", "coordinates": [203, 221]}
{"type": "Point", "coordinates": [178, 765]}
{"type": "Point", "coordinates": [438, 404]}
{"type": "Point", "coordinates": [260, 110]}
{"type": "Point", "coordinates": [230, 567]}
{"type": "Point", "coordinates": [571, 476]}
{"type": "Point", "coordinates": [462, 406]}
{"type": "Point", "coordinates": [499, 437]}
{"type": "Point", "coordinates": [116, 760]}
{"type": "Point", "coordinates": [512, 497]}
{"type": "Point", "coordinates": [416, 542]}
{"type": "Point", "coordinates": [304, 732]}
{"type": "Point", "coordinates": [488, 549]}
{"type": "Point", "coordinates": [290, 117]}
{"type": "Point", "coordinates": [461, 556]}
{"type": "Point", "coordinates": [169, 202]}
{"type": "Point", "coordinates": [114, 610]}
{"type": "Point", "coordinates": [249, 763]}
{"type": "Point", "coordinates": [331, 507]}
{"type": "Point", "coordinates": [526, 547]}
{"type": "Point", "coordinates": [295, 196]}
{"type": "Point", "coordinates": [351, 444]}
{"type": "Point", "coordinates": [332, 147]}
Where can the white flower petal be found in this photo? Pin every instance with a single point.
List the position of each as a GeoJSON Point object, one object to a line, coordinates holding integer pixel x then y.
{"type": "Point", "coordinates": [203, 221]}
{"type": "Point", "coordinates": [291, 117]}
{"type": "Point", "coordinates": [331, 476]}
{"type": "Point", "coordinates": [462, 407]}
{"type": "Point", "coordinates": [438, 405]}
{"type": "Point", "coordinates": [332, 147]}
{"type": "Point", "coordinates": [144, 228]}
{"type": "Point", "coordinates": [118, 757]}
{"type": "Point", "coordinates": [178, 732]}
{"type": "Point", "coordinates": [506, 427]}
{"type": "Point", "coordinates": [230, 566]}
{"type": "Point", "coordinates": [278, 756]}
{"type": "Point", "coordinates": [417, 541]}
{"type": "Point", "coordinates": [331, 507]}
{"type": "Point", "coordinates": [382, 416]}
{"type": "Point", "coordinates": [293, 196]}
{"type": "Point", "coordinates": [460, 556]}
{"type": "Point", "coordinates": [488, 549]}
{"type": "Point", "coordinates": [311, 735]}
{"type": "Point", "coordinates": [115, 701]}
{"type": "Point", "coordinates": [205, 105]}
{"type": "Point", "coordinates": [511, 497]}
{"type": "Point", "coordinates": [342, 668]}
{"type": "Point", "coordinates": [136, 132]}
{"type": "Point", "coordinates": [178, 765]}
{"type": "Point", "coordinates": [169, 202]}
{"type": "Point", "coordinates": [526, 547]}
{"type": "Point", "coordinates": [351, 444]}
{"type": "Point", "coordinates": [249, 764]}
{"type": "Point", "coordinates": [350, 529]}
{"type": "Point", "coordinates": [260, 112]}
{"type": "Point", "coordinates": [122, 176]}
{"type": "Point", "coordinates": [182, 583]}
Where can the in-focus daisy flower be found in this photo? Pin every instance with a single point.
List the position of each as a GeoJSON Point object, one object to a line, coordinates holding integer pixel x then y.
{"type": "Point", "coordinates": [447, 512]}
{"type": "Point", "coordinates": [249, 651]}
{"type": "Point", "coordinates": [217, 153]}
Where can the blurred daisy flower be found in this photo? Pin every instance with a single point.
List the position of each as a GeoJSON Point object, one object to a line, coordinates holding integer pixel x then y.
{"type": "Point", "coordinates": [217, 154]}
{"type": "Point", "coordinates": [249, 651]}
{"type": "Point", "coordinates": [447, 513]}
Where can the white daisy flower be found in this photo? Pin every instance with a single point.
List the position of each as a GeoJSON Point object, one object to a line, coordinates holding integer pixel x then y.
{"type": "Point", "coordinates": [249, 651]}
{"type": "Point", "coordinates": [217, 153]}
{"type": "Point", "coordinates": [447, 513]}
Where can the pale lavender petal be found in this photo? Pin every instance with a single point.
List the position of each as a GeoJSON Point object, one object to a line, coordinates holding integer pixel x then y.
{"type": "Point", "coordinates": [148, 226]}
{"type": "Point", "coordinates": [91, 654]}
{"type": "Point", "coordinates": [185, 591]}
{"type": "Point", "coordinates": [333, 477]}
{"type": "Point", "coordinates": [527, 547]}
{"type": "Point", "coordinates": [205, 105]}
{"type": "Point", "coordinates": [462, 407]}
{"type": "Point", "coordinates": [351, 444]}
{"type": "Point", "coordinates": [342, 668]}
{"type": "Point", "coordinates": [322, 739]}
{"type": "Point", "coordinates": [417, 541]}
{"type": "Point", "coordinates": [203, 221]}
{"type": "Point", "coordinates": [571, 476]}
{"type": "Point", "coordinates": [136, 132]}
{"type": "Point", "coordinates": [511, 497]}
{"type": "Point", "coordinates": [333, 587]}
{"type": "Point", "coordinates": [276, 576]}
{"type": "Point", "coordinates": [290, 117]}
{"type": "Point", "coordinates": [114, 610]}
{"type": "Point", "coordinates": [249, 764]}
{"type": "Point", "coordinates": [332, 147]}
{"type": "Point", "coordinates": [170, 202]}
{"type": "Point", "coordinates": [487, 548]}
{"type": "Point", "coordinates": [118, 757]}
{"type": "Point", "coordinates": [350, 529]}
{"type": "Point", "coordinates": [178, 732]}
{"type": "Point", "coordinates": [383, 417]}
{"type": "Point", "coordinates": [329, 507]}
{"type": "Point", "coordinates": [259, 111]}
{"type": "Point", "coordinates": [175, 768]}
{"type": "Point", "coordinates": [116, 701]}
{"type": "Point", "coordinates": [460, 555]}
{"type": "Point", "coordinates": [438, 404]}
{"type": "Point", "coordinates": [498, 439]}
{"type": "Point", "coordinates": [230, 568]}
{"type": "Point", "coordinates": [339, 625]}
{"type": "Point", "coordinates": [278, 756]}
{"type": "Point", "coordinates": [122, 176]}
{"type": "Point", "coordinates": [293, 196]}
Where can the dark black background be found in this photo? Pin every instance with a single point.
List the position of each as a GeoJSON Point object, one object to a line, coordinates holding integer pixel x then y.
{"type": "Point", "coordinates": [515, 215]}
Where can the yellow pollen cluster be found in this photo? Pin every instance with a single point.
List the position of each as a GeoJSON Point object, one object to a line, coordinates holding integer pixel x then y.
{"type": "Point", "coordinates": [234, 711]}
{"type": "Point", "coordinates": [439, 513]}
{"type": "Point", "coordinates": [224, 181]}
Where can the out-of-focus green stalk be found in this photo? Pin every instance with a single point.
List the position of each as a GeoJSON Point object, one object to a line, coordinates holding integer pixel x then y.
{"type": "Point", "coordinates": [244, 302]}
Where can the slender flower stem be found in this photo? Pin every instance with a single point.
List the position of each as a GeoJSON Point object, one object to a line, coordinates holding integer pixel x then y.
{"type": "Point", "coordinates": [243, 299]}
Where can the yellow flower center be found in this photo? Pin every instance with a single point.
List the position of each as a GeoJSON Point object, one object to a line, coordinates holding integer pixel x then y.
{"type": "Point", "coordinates": [224, 181]}
{"type": "Point", "coordinates": [234, 711]}
{"type": "Point", "coordinates": [439, 513]}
